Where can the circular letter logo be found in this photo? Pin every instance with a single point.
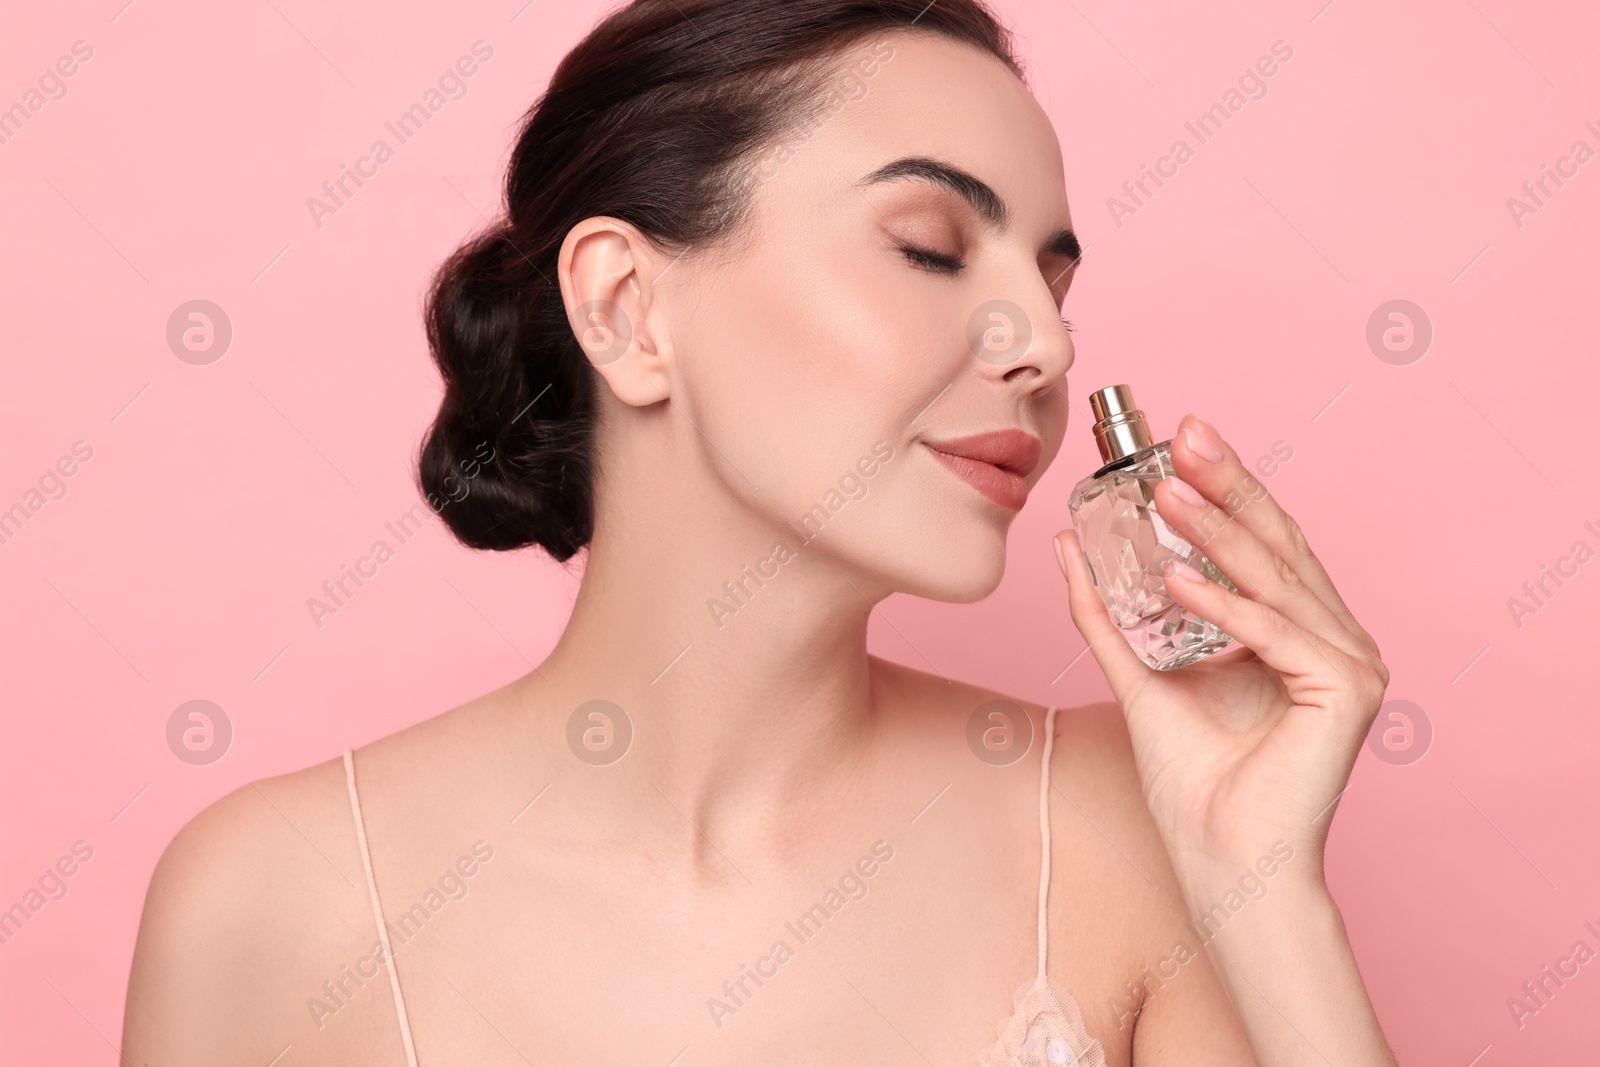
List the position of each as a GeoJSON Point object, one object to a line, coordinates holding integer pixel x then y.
{"type": "Point", "coordinates": [1399, 332]}
{"type": "Point", "coordinates": [604, 332]}
{"type": "Point", "coordinates": [999, 332]}
{"type": "Point", "coordinates": [199, 332]}
{"type": "Point", "coordinates": [199, 732]}
{"type": "Point", "coordinates": [999, 732]}
{"type": "Point", "coordinates": [1401, 734]}
{"type": "Point", "coordinates": [599, 732]}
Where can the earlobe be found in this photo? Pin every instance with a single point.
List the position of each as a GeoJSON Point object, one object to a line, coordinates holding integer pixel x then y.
{"type": "Point", "coordinates": [610, 311]}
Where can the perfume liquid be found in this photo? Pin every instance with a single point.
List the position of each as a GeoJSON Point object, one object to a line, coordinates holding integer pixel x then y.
{"type": "Point", "coordinates": [1128, 544]}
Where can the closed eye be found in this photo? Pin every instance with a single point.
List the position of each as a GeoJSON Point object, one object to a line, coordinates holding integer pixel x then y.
{"type": "Point", "coordinates": [928, 259]}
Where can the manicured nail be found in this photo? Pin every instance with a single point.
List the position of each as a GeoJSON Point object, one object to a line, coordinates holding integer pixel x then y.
{"type": "Point", "coordinates": [1061, 558]}
{"type": "Point", "coordinates": [1186, 492]}
{"type": "Point", "coordinates": [1188, 572]}
{"type": "Point", "coordinates": [1201, 445]}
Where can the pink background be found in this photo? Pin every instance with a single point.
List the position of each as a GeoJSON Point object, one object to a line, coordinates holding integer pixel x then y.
{"type": "Point", "coordinates": [220, 497]}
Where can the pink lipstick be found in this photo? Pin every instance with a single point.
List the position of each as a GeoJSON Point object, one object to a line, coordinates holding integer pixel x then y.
{"type": "Point", "coordinates": [996, 463]}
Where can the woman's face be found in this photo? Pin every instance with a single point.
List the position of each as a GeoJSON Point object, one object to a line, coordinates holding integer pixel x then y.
{"type": "Point", "coordinates": [899, 289]}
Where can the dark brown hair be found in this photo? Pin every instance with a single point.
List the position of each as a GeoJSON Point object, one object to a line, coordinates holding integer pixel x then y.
{"type": "Point", "coordinates": [653, 118]}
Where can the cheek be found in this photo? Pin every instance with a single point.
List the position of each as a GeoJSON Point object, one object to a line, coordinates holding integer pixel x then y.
{"type": "Point", "coordinates": [844, 326]}
{"type": "Point", "coordinates": [802, 362]}
{"type": "Point", "coordinates": [796, 369]}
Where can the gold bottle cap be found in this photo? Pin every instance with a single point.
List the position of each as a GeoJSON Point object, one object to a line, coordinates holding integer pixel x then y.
{"type": "Point", "coordinates": [1119, 429]}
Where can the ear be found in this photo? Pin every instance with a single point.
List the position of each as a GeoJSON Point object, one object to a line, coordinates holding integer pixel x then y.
{"type": "Point", "coordinates": [606, 268]}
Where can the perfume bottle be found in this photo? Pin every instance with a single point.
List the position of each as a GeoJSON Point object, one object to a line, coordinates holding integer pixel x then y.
{"type": "Point", "coordinates": [1128, 545]}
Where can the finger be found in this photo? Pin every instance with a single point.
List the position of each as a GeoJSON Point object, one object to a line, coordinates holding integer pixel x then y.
{"type": "Point", "coordinates": [1121, 665]}
{"type": "Point", "coordinates": [1346, 690]}
{"type": "Point", "coordinates": [1260, 573]}
{"type": "Point", "coordinates": [1207, 462]}
{"type": "Point", "coordinates": [1294, 652]}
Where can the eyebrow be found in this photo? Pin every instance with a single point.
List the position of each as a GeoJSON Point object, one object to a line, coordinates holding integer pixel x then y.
{"type": "Point", "coordinates": [976, 192]}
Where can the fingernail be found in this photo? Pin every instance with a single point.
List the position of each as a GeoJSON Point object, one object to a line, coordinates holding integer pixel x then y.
{"type": "Point", "coordinates": [1061, 558]}
{"type": "Point", "coordinates": [1186, 571]}
{"type": "Point", "coordinates": [1186, 492]}
{"type": "Point", "coordinates": [1201, 445]}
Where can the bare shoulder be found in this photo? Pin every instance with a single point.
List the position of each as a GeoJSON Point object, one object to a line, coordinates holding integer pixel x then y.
{"type": "Point", "coordinates": [256, 903]}
{"type": "Point", "coordinates": [1091, 747]}
{"type": "Point", "coordinates": [1094, 782]}
{"type": "Point", "coordinates": [1166, 999]}
{"type": "Point", "coordinates": [1115, 909]}
{"type": "Point", "coordinates": [258, 932]}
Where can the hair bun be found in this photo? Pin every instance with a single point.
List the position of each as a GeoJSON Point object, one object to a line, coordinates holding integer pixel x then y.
{"type": "Point", "coordinates": [506, 462]}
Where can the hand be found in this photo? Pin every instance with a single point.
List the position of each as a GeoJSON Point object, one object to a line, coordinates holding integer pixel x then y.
{"type": "Point", "coordinates": [1255, 743]}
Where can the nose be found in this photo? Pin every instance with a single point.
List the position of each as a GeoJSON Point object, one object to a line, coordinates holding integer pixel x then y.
{"type": "Point", "coordinates": [1027, 345]}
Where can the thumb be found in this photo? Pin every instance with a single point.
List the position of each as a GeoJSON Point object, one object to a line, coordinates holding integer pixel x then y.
{"type": "Point", "coordinates": [1121, 665]}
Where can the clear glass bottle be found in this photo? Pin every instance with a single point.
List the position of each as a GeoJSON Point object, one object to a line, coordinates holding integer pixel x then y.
{"type": "Point", "coordinates": [1128, 544]}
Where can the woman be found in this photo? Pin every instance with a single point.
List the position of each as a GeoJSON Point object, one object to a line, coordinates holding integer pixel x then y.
{"type": "Point", "coordinates": [722, 342]}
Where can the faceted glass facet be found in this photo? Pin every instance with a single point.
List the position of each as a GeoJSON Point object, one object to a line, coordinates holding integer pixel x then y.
{"type": "Point", "coordinates": [1128, 545]}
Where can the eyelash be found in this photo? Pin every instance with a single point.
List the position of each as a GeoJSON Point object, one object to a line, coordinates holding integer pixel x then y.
{"type": "Point", "coordinates": [929, 260]}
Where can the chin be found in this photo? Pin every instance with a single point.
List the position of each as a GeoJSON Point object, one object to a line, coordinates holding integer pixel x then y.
{"type": "Point", "coordinates": [960, 563]}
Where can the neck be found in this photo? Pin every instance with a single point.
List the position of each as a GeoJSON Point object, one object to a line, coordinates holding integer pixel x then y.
{"type": "Point", "coordinates": [742, 668]}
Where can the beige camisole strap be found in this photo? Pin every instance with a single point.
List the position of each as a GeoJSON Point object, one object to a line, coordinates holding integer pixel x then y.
{"type": "Point", "coordinates": [1044, 837]}
{"type": "Point", "coordinates": [377, 911]}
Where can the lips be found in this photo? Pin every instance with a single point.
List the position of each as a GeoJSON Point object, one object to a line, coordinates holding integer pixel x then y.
{"type": "Point", "coordinates": [996, 463]}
